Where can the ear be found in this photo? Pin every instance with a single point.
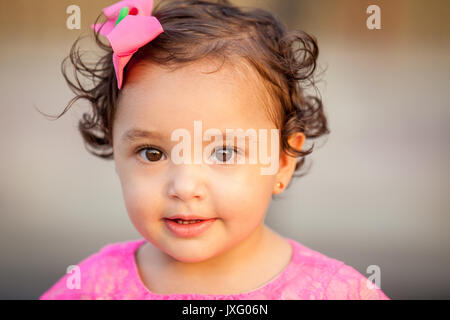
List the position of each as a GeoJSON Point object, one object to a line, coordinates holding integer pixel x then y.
{"type": "Point", "coordinates": [287, 163]}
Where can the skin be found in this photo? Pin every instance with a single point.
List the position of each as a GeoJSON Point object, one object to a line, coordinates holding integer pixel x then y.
{"type": "Point", "coordinates": [231, 256]}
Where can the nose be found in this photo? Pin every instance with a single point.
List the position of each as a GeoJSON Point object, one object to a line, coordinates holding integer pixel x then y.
{"type": "Point", "coordinates": [187, 182]}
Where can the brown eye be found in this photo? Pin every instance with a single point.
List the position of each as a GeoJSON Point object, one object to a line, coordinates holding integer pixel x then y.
{"type": "Point", "coordinates": [151, 154]}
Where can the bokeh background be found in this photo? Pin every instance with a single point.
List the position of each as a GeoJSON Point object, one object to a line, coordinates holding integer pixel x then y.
{"type": "Point", "coordinates": [377, 192]}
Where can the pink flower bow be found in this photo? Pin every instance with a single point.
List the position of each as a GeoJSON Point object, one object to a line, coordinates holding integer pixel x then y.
{"type": "Point", "coordinates": [127, 34]}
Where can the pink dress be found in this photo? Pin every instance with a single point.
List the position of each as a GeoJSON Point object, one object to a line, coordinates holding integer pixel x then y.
{"type": "Point", "coordinates": [112, 273]}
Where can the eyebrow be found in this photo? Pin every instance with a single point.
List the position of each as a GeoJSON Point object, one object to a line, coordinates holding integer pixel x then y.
{"type": "Point", "coordinates": [135, 134]}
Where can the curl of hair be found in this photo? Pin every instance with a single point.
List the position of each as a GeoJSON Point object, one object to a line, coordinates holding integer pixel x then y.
{"type": "Point", "coordinates": [286, 61]}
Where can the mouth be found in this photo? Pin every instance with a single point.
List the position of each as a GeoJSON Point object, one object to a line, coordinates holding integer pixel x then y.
{"type": "Point", "coordinates": [182, 221]}
{"type": "Point", "coordinates": [188, 227]}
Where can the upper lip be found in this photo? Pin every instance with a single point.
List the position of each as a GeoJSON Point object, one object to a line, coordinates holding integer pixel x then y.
{"type": "Point", "coordinates": [187, 217]}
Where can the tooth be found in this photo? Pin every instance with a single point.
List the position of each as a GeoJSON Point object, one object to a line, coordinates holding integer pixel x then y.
{"type": "Point", "coordinates": [180, 221]}
{"type": "Point", "coordinates": [187, 221]}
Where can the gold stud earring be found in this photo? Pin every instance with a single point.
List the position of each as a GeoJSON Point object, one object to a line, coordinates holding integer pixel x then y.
{"type": "Point", "coordinates": [279, 185]}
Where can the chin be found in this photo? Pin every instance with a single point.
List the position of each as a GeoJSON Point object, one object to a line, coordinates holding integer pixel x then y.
{"type": "Point", "coordinates": [187, 256]}
{"type": "Point", "coordinates": [193, 254]}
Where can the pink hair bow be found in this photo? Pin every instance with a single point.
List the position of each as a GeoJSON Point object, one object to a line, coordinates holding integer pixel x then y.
{"type": "Point", "coordinates": [130, 26]}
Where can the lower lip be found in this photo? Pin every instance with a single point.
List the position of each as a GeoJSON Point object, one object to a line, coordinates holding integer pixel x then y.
{"type": "Point", "coordinates": [188, 230]}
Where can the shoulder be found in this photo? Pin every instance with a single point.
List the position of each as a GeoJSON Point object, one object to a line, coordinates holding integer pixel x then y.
{"type": "Point", "coordinates": [309, 272]}
{"type": "Point", "coordinates": [349, 284]}
{"type": "Point", "coordinates": [96, 276]}
{"type": "Point", "coordinates": [314, 275]}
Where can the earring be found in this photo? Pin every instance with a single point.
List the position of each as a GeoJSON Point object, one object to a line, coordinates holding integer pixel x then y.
{"type": "Point", "coordinates": [279, 185]}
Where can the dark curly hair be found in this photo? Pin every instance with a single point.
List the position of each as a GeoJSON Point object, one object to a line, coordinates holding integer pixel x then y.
{"type": "Point", "coordinates": [195, 29]}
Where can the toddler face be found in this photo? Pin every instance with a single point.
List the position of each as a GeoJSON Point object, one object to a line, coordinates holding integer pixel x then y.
{"type": "Point", "coordinates": [155, 188]}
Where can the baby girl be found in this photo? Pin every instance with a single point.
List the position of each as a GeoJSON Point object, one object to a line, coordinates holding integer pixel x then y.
{"type": "Point", "coordinates": [202, 105]}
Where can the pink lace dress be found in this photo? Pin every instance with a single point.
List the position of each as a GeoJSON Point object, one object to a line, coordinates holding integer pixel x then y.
{"type": "Point", "coordinates": [112, 273]}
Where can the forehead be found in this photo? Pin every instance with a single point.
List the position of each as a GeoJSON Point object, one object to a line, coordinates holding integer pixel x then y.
{"type": "Point", "coordinates": [222, 97]}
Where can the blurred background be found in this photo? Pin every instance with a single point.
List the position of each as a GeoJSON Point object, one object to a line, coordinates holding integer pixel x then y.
{"type": "Point", "coordinates": [378, 189]}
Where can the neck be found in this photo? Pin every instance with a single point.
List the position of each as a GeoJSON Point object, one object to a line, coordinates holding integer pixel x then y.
{"type": "Point", "coordinates": [242, 268]}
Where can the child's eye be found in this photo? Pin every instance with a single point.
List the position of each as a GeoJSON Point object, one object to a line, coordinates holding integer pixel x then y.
{"type": "Point", "coordinates": [151, 154]}
{"type": "Point", "coordinates": [225, 154]}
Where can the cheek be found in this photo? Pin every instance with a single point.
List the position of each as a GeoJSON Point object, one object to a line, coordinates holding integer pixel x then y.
{"type": "Point", "coordinates": [142, 197]}
{"type": "Point", "coordinates": [145, 207]}
{"type": "Point", "coordinates": [245, 195]}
